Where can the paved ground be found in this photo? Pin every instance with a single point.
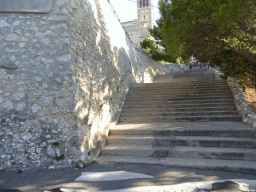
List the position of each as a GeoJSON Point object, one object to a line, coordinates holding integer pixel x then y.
{"type": "Point", "coordinates": [159, 176]}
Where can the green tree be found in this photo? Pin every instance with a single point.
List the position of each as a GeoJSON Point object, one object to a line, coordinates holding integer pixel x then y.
{"type": "Point", "coordinates": [236, 66]}
{"type": "Point", "coordinates": [208, 27]}
{"type": "Point", "coordinates": [150, 45]}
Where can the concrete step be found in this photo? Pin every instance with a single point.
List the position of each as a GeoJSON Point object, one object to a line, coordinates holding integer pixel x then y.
{"type": "Point", "coordinates": [193, 106]}
{"type": "Point", "coordinates": [212, 153]}
{"type": "Point", "coordinates": [175, 92]}
{"type": "Point", "coordinates": [180, 118]}
{"type": "Point", "coordinates": [179, 97]}
{"type": "Point", "coordinates": [198, 109]}
{"type": "Point", "coordinates": [160, 87]}
{"type": "Point", "coordinates": [181, 152]}
{"type": "Point", "coordinates": [191, 141]}
{"type": "Point", "coordinates": [207, 89]}
{"type": "Point", "coordinates": [183, 113]}
{"type": "Point", "coordinates": [215, 164]}
{"type": "Point", "coordinates": [214, 129]}
{"type": "Point", "coordinates": [190, 83]}
{"type": "Point", "coordinates": [185, 101]}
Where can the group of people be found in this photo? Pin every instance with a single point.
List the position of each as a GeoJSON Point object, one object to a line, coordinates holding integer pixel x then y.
{"type": "Point", "coordinates": [200, 65]}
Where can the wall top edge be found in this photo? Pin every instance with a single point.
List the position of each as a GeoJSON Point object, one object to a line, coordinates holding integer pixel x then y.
{"type": "Point", "coordinates": [26, 6]}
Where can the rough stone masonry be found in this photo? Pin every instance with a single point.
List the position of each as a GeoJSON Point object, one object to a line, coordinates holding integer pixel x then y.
{"type": "Point", "coordinates": [65, 69]}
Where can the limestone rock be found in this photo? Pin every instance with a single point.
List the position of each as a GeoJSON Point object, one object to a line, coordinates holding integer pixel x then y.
{"type": "Point", "coordinates": [27, 137]}
{"type": "Point", "coordinates": [8, 64]}
{"type": "Point", "coordinates": [7, 105]}
{"type": "Point", "coordinates": [18, 96]}
{"type": "Point", "coordinates": [20, 106]}
{"type": "Point", "coordinates": [53, 152]}
{"type": "Point", "coordinates": [12, 37]}
{"type": "Point", "coordinates": [35, 108]}
{"type": "Point", "coordinates": [65, 58]}
{"type": "Point", "coordinates": [71, 107]}
{"type": "Point", "coordinates": [3, 23]}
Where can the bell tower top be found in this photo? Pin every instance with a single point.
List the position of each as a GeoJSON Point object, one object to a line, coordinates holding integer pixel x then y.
{"type": "Point", "coordinates": [145, 13]}
{"type": "Point", "coordinates": [143, 3]}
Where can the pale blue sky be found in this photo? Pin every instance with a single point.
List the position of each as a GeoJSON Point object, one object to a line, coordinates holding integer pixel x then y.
{"type": "Point", "coordinates": [127, 9]}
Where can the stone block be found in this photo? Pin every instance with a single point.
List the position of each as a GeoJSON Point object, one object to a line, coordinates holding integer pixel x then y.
{"type": "Point", "coordinates": [7, 105]}
{"type": "Point", "coordinates": [53, 152]}
{"type": "Point", "coordinates": [3, 23]}
{"type": "Point", "coordinates": [26, 6]}
{"type": "Point", "coordinates": [8, 64]}
{"type": "Point", "coordinates": [252, 119]}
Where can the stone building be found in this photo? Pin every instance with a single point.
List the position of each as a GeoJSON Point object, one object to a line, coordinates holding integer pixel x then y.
{"type": "Point", "coordinates": [137, 29]}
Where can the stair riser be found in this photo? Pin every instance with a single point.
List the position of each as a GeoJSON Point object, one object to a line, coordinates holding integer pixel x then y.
{"type": "Point", "coordinates": [206, 113]}
{"type": "Point", "coordinates": [206, 155]}
{"type": "Point", "coordinates": [178, 88]}
{"type": "Point", "coordinates": [176, 119]}
{"type": "Point", "coordinates": [178, 84]}
{"type": "Point", "coordinates": [181, 97]}
{"type": "Point", "coordinates": [204, 143]}
{"type": "Point", "coordinates": [227, 101]}
{"type": "Point", "coordinates": [155, 110]}
{"type": "Point", "coordinates": [212, 133]}
{"type": "Point", "coordinates": [175, 154]}
{"type": "Point", "coordinates": [177, 91]}
{"type": "Point", "coordinates": [188, 106]}
{"type": "Point", "coordinates": [128, 152]}
{"type": "Point", "coordinates": [170, 98]}
{"type": "Point", "coordinates": [172, 92]}
{"type": "Point", "coordinates": [178, 142]}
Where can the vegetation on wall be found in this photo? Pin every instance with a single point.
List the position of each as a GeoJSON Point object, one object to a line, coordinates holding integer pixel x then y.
{"type": "Point", "coordinates": [222, 31]}
{"type": "Point", "coordinates": [151, 47]}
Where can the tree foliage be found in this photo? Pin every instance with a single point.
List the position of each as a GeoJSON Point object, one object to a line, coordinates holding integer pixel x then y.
{"type": "Point", "coordinates": [210, 28]}
{"type": "Point", "coordinates": [151, 46]}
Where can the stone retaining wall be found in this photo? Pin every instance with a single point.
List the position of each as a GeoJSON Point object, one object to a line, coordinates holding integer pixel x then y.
{"type": "Point", "coordinates": [64, 76]}
{"type": "Point", "coordinates": [243, 109]}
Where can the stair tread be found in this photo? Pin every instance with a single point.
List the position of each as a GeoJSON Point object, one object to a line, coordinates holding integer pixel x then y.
{"type": "Point", "coordinates": [183, 116]}
{"type": "Point", "coordinates": [182, 97]}
{"type": "Point", "coordinates": [172, 92]}
{"type": "Point", "coordinates": [196, 104]}
{"type": "Point", "coordinates": [171, 109]}
{"type": "Point", "coordinates": [178, 97]}
{"type": "Point", "coordinates": [159, 87]}
{"type": "Point", "coordinates": [191, 83]}
{"type": "Point", "coordinates": [234, 165]}
{"type": "Point", "coordinates": [187, 138]}
{"type": "Point", "coordinates": [135, 89]}
{"type": "Point", "coordinates": [185, 100]}
{"type": "Point", "coordinates": [180, 148]}
{"type": "Point", "coordinates": [185, 126]}
{"type": "Point", "coordinates": [180, 106]}
{"type": "Point", "coordinates": [170, 112]}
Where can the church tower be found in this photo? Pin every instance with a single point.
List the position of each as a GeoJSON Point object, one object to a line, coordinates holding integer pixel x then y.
{"type": "Point", "coordinates": [145, 13]}
{"type": "Point", "coordinates": [137, 29]}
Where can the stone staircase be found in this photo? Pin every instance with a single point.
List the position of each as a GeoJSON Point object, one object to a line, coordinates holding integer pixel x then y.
{"type": "Point", "coordinates": [189, 101]}
{"type": "Point", "coordinates": [189, 123]}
